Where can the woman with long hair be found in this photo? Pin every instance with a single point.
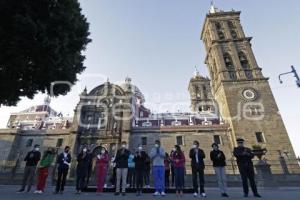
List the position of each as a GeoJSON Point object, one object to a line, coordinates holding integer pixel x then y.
{"type": "Point", "coordinates": [102, 161]}
{"type": "Point", "coordinates": [179, 164]}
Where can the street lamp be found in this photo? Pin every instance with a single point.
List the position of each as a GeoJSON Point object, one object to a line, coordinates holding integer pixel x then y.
{"type": "Point", "coordinates": [291, 72]}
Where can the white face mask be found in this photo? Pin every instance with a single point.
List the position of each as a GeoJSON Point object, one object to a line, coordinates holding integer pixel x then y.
{"type": "Point", "coordinates": [124, 146]}
{"type": "Point", "coordinates": [99, 157]}
{"type": "Point", "coordinates": [84, 150]}
{"type": "Point", "coordinates": [194, 146]}
{"type": "Point", "coordinates": [140, 148]}
{"type": "Point", "coordinates": [36, 149]}
{"type": "Point", "coordinates": [102, 151]}
{"type": "Point", "coordinates": [156, 145]}
{"type": "Point", "coordinates": [174, 149]}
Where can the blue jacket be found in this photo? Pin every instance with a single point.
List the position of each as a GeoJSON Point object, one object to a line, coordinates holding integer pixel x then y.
{"type": "Point", "coordinates": [131, 163]}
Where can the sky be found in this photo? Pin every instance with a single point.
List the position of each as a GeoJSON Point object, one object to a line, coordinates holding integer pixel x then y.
{"type": "Point", "coordinates": [157, 44]}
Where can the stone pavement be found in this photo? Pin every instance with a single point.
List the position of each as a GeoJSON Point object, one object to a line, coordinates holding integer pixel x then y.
{"type": "Point", "coordinates": [9, 193]}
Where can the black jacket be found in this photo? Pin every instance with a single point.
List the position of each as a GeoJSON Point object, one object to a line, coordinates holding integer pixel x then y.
{"type": "Point", "coordinates": [218, 158]}
{"type": "Point", "coordinates": [61, 159]}
{"type": "Point", "coordinates": [140, 160]}
{"type": "Point", "coordinates": [122, 158]}
{"type": "Point", "coordinates": [243, 156]}
{"type": "Point", "coordinates": [200, 155]}
{"type": "Point", "coordinates": [83, 163]}
{"type": "Point", "coordinates": [32, 158]}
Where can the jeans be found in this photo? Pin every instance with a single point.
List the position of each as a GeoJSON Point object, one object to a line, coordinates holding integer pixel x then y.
{"type": "Point", "coordinates": [179, 178]}
{"type": "Point", "coordinates": [131, 177]}
{"type": "Point", "coordinates": [222, 179]}
{"type": "Point", "coordinates": [121, 174]}
{"type": "Point", "coordinates": [29, 173]}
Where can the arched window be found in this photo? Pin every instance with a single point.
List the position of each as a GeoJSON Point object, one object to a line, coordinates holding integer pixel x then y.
{"type": "Point", "coordinates": [219, 31]}
{"type": "Point", "coordinates": [234, 34]}
{"type": "Point", "coordinates": [245, 65]}
{"type": "Point", "coordinates": [231, 25]}
{"type": "Point", "coordinates": [229, 66]}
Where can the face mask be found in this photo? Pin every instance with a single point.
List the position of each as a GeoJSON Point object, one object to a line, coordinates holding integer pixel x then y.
{"type": "Point", "coordinates": [36, 149]}
{"type": "Point", "coordinates": [84, 150]}
{"type": "Point", "coordinates": [194, 146]}
{"type": "Point", "coordinates": [174, 149]}
{"type": "Point", "coordinates": [124, 146]}
{"type": "Point", "coordinates": [67, 150]}
{"type": "Point", "coordinates": [156, 145]}
{"type": "Point", "coordinates": [103, 151]}
{"type": "Point", "coordinates": [140, 148]}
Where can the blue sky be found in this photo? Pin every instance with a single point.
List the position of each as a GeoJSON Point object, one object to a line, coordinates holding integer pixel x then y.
{"type": "Point", "coordinates": [157, 43]}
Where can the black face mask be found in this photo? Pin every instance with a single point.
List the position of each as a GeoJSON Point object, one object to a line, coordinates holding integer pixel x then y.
{"type": "Point", "coordinates": [67, 151]}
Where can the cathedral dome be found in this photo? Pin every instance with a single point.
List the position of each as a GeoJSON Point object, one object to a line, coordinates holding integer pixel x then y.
{"type": "Point", "coordinates": [128, 86]}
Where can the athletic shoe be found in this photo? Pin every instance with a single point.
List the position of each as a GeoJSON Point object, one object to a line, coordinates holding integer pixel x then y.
{"type": "Point", "coordinates": [156, 194]}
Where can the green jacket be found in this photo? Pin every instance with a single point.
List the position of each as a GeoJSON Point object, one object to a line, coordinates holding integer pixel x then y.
{"type": "Point", "coordinates": [47, 160]}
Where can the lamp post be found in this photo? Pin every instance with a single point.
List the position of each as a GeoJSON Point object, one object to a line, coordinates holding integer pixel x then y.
{"type": "Point", "coordinates": [291, 72]}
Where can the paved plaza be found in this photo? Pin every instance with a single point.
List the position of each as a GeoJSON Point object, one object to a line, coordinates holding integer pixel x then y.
{"type": "Point", "coordinates": [9, 193]}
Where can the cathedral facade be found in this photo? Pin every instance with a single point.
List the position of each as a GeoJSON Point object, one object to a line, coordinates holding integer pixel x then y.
{"type": "Point", "coordinates": [235, 102]}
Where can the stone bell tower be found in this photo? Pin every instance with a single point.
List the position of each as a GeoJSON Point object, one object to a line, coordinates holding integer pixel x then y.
{"type": "Point", "coordinates": [242, 92]}
{"type": "Point", "coordinates": [200, 94]}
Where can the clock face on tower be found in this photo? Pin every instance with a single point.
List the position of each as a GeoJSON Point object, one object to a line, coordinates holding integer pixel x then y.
{"type": "Point", "coordinates": [249, 94]}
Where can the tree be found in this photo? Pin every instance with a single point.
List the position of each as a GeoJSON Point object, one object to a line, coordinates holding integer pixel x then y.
{"type": "Point", "coordinates": [41, 41]}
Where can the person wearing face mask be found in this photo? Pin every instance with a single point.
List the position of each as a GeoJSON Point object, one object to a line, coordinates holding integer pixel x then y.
{"type": "Point", "coordinates": [102, 161]}
{"type": "Point", "coordinates": [172, 168]}
{"type": "Point", "coordinates": [140, 162]}
{"type": "Point", "coordinates": [157, 155]}
{"type": "Point", "coordinates": [131, 171]}
{"type": "Point", "coordinates": [84, 159]}
{"type": "Point", "coordinates": [32, 158]}
{"type": "Point", "coordinates": [167, 170]}
{"type": "Point", "coordinates": [45, 163]}
{"type": "Point", "coordinates": [179, 165]}
{"type": "Point", "coordinates": [122, 168]}
{"type": "Point", "coordinates": [244, 158]}
{"type": "Point", "coordinates": [197, 156]}
{"type": "Point", "coordinates": [219, 162]}
{"type": "Point", "coordinates": [64, 162]}
{"type": "Point", "coordinates": [147, 171]}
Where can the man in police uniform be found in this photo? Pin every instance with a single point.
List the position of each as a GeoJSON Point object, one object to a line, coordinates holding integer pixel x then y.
{"type": "Point", "coordinates": [244, 158]}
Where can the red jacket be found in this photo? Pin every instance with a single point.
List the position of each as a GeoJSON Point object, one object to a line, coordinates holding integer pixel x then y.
{"type": "Point", "coordinates": [103, 161]}
{"type": "Point", "coordinates": [178, 159]}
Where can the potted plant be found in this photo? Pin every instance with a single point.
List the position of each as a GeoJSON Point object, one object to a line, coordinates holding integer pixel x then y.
{"type": "Point", "coordinates": [259, 151]}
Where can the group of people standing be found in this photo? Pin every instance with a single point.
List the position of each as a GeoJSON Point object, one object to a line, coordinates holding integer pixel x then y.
{"type": "Point", "coordinates": [132, 169]}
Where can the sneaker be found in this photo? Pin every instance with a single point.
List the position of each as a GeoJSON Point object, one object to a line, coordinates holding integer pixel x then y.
{"type": "Point", "coordinates": [225, 195]}
{"type": "Point", "coordinates": [203, 194]}
{"type": "Point", "coordinates": [181, 193]}
{"type": "Point", "coordinates": [55, 192]}
{"type": "Point", "coordinates": [257, 195]}
{"type": "Point", "coordinates": [123, 194]}
{"type": "Point", "coordinates": [163, 194]}
{"type": "Point", "coordinates": [36, 192]}
{"type": "Point", "coordinates": [20, 191]}
{"type": "Point", "coordinates": [117, 193]}
{"type": "Point", "coordinates": [195, 194]}
{"type": "Point", "coordinates": [156, 194]}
